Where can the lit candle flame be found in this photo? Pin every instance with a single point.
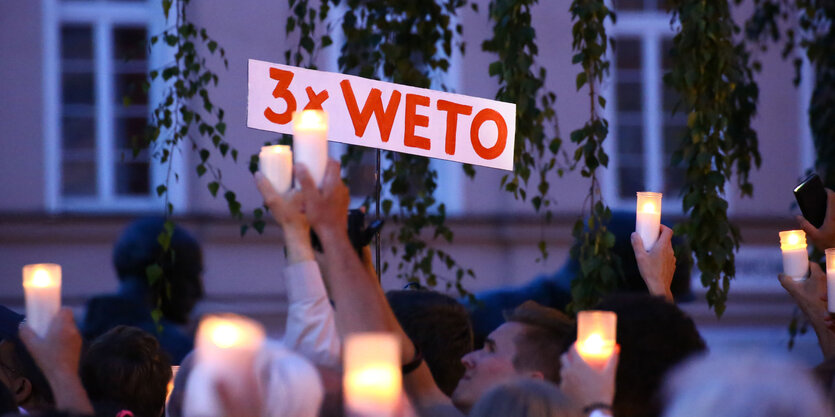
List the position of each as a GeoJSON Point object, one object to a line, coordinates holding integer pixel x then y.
{"type": "Point", "coordinates": [311, 120]}
{"type": "Point", "coordinates": [226, 335]}
{"type": "Point", "coordinates": [41, 279]}
{"type": "Point", "coordinates": [648, 207]}
{"type": "Point", "coordinates": [792, 240]}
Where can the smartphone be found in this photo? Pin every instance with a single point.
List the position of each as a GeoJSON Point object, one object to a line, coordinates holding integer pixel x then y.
{"type": "Point", "coordinates": [811, 198]}
{"type": "Point", "coordinates": [359, 235]}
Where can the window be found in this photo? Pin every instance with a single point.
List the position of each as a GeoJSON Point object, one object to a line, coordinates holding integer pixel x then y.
{"type": "Point", "coordinates": [643, 130]}
{"type": "Point", "coordinates": [96, 57]}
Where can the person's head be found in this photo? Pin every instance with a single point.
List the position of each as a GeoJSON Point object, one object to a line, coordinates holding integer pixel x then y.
{"type": "Point", "coordinates": [127, 367]}
{"type": "Point", "coordinates": [743, 385]}
{"type": "Point", "coordinates": [18, 370]}
{"type": "Point", "coordinates": [138, 248]}
{"type": "Point", "coordinates": [292, 386]}
{"type": "Point", "coordinates": [529, 344]}
{"type": "Point", "coordinates": [524, 397]}
{"type": "Point", "coordinates": [654, 336]}
{"type": "Point", "coordinates": [440, 327]}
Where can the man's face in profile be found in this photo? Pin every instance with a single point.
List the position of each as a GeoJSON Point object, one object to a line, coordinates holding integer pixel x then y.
{"type": "Point", "coordinates": [488, 366]}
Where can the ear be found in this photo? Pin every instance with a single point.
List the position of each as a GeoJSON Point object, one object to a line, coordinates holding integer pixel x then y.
{"type": "Point", "coordinates": [22, 389]}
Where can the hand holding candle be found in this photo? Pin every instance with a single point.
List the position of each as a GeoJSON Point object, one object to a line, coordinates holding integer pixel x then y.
{"type": "Point", "coordinates": [42, 288]}
{"type": "Point", "coordinates": [310, 142]}
{"type": "Point", "coordinates": [372, 381]}
{"type": "Point", "coordinates": [648, 218]}
{"type": "Point", "coordinates": [795, 257]}
{"type": "Point", "coordinates": [226, 347]}
{"type": "Point", "coordinates": [276, 163]}
{"type": "Point", "coordinates": [596, 337]}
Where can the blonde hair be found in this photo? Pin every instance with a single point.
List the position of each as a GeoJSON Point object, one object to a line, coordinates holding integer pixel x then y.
{"type": "Point", "coordinates": [524, 397]}
{"type": "Point", "coordinates": [743, 385]}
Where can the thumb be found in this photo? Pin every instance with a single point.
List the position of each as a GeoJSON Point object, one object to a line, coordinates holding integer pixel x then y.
{"type": "Point", "coordinates": [637, 244]}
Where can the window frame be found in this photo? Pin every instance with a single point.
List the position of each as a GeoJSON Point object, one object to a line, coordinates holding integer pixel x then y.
{"type": "Point", "coordinates": [651, 27]}
{"type": "Point", "coordinates": [103, 17]}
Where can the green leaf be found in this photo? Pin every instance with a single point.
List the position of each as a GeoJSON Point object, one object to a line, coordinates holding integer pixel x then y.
{"type": "Point", "coordinates": [213, 187]}
{"type": "Point", "coordinates": [166, 7]}
{"type": "Point", "coordinates": [161, 189]}
{"type": "Point", "coordinates": [153, 273]}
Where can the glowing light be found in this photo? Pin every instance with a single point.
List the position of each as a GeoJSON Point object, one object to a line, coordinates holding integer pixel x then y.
{"type": "Point", "coordinates": [310, 120]}
{"type": "Point", "coordinates": [41, 278]}
{"type": "Point", "coordinates": [792, 240]}
{"type": "Point", "coordinates": [225, 335]}
{"type": "Point", "coordinates": [648, 207]}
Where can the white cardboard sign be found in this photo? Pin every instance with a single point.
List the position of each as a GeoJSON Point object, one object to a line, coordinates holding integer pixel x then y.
{"type": "Point", "coordinates": [385, 115]}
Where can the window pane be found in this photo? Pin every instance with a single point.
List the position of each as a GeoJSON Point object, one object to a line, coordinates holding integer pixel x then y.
{"type": "Point", "coordinates": [79, 178]}
{"type": "Point", "coordinates": [78, 88]}
{"type": "Point", "coordinates": [132, 178]}
{"type": "Point", "coordinates": [129, 90]}
{"type": "Point", "coordinates": [629, 96]}
{"type": "Point", "coordinates": [630, 140]}
{"type": "Point", "coordinates": [628, 53]}
{"type": "Point", "coordinates": [129, 43]}
{"type": "Point", "coordinates": [129, 131]}
{"type": "Point", "coordinates": [630, 180]}
{"type": "Point", "coordinates": [78, 133]}
{"type": "Point", "coordinates": [77, 42]}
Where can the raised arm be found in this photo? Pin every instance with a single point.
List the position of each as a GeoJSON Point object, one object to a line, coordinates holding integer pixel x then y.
{"type": "Point", "coordinates": [360, 303]}
{"type": "Point", "coordinates": [658, 265]}
{"type": "Point", "coordinates": [810, 295]}
{"type": "Point", "coordinates": [311, 326]}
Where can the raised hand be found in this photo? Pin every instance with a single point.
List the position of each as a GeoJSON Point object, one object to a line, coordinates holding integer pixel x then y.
{"type": "Point", "coordinates": [584, 384]}
{"type": "Point", "coordinates": [327, 207]}
{"type": "Point", "coordinates": [824, 237]}
{"type": "Point", "coordinates": [658, 265]}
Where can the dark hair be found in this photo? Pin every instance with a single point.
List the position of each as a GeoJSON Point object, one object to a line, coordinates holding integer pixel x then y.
{"type": "Point", "coordinates": [440, 327]}
{"type": "Point", "coordinates": [654, 336]}
{"type": "Point", "coordinates": [30, 370]}
{"type": "Point", "coordinates": [127, 367]}
{"type": "Point", "coordinates": [548, 333]}
{"type": "Point", "coordinates": [138, 248]}
{"type": "Point", "coordinates": [7, 401]}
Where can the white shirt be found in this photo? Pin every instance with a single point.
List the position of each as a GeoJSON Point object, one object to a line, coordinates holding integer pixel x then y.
{"type": "Point", "coordinates": [311, 326]}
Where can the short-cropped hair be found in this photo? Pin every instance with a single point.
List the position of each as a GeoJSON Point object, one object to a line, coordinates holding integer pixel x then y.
{"type": "Point", "coordinates": [127, 367]}
{"type": "Point", "coordinates": [743, 385]}
{"type": "Point", "coordinates": [524, 397]}
{"type": "Point", "coordinates": [548, 334]}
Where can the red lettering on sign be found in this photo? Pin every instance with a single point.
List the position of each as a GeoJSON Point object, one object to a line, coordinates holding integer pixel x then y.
{"type": "Point", "coordinates": [373, 105]}
{"type": "Point", "coordinates": [281, 91]}
{"type": "Point", "coordinates": [453, 110]}
{"type": "Point", "coordinates": [315, 100]}
{"type": "Point", "coordinates": [478, 120]}
{"type": "Point", "coordinates": [413, 119]}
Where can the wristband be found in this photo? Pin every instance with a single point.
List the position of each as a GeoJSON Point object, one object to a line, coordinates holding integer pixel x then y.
{"type": "Point", "coordinates": [414, 363]}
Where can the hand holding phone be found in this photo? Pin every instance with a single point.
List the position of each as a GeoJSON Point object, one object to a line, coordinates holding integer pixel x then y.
{"type": "Point", "coordinates": [818, 207]}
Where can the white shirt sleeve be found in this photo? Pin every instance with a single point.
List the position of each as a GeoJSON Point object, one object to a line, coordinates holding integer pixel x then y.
{"type": "Point", "coordinates": [311, 326]}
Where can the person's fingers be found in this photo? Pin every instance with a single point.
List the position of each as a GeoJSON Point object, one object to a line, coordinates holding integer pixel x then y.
{"type": "Point", "coordinates": [666, 235]}
{"type": "Point", "coordinates": [815, 271]}
{"type": "Point", "coordinates": [333, 175]}
{"type": "Point", "coordinates": [224, 394]}
{"type": "Point", "coordinates": [308, 187]}
{"type": "Point", "coordinates": [264, 185]}
{"type": "Point", "coordinates": [830, 204]}
{"type": "Point", "coordinates": [637, 244]}
{"type": "Point", "coordinates": [28, 336]}
{"type": "Point", "coordinates": [807, 227]}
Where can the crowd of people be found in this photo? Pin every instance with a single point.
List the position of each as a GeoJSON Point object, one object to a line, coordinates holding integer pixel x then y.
{"type": "Point", "coordinates": [118, 361]}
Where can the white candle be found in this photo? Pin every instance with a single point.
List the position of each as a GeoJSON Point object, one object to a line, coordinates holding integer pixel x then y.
{"type": "Point", "coordinates": [372, 380]}
{"type": "Point", "coordinates": [276, 163]}
{"type": "Point", "coordinates": [795, 257]}
{"type": "Point", "coordinates": [42, 288]}
{"type": "Point", "coordinates": [648, 219]}
{"type": "Point", "coordinates": [830, 278]}
{"type": "Point", "coordinates": [226, 346]}
{"type": "Point", "coordinates": [596, 332]}
{"type": "Point", "coordinates": [310, 142]}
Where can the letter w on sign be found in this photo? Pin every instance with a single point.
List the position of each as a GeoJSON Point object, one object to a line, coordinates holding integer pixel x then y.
{"type": "Point", "coordinates": [383, 115]}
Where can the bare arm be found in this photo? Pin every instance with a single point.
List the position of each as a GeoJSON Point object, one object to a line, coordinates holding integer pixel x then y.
{"type": "Point", "coordinates": [360, 303]}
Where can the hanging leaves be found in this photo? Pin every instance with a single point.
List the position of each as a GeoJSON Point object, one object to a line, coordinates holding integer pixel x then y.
{"type": "Point", "coordinates": [713, 77]}
{"type": "Point", "coordinates": [599, 266]}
